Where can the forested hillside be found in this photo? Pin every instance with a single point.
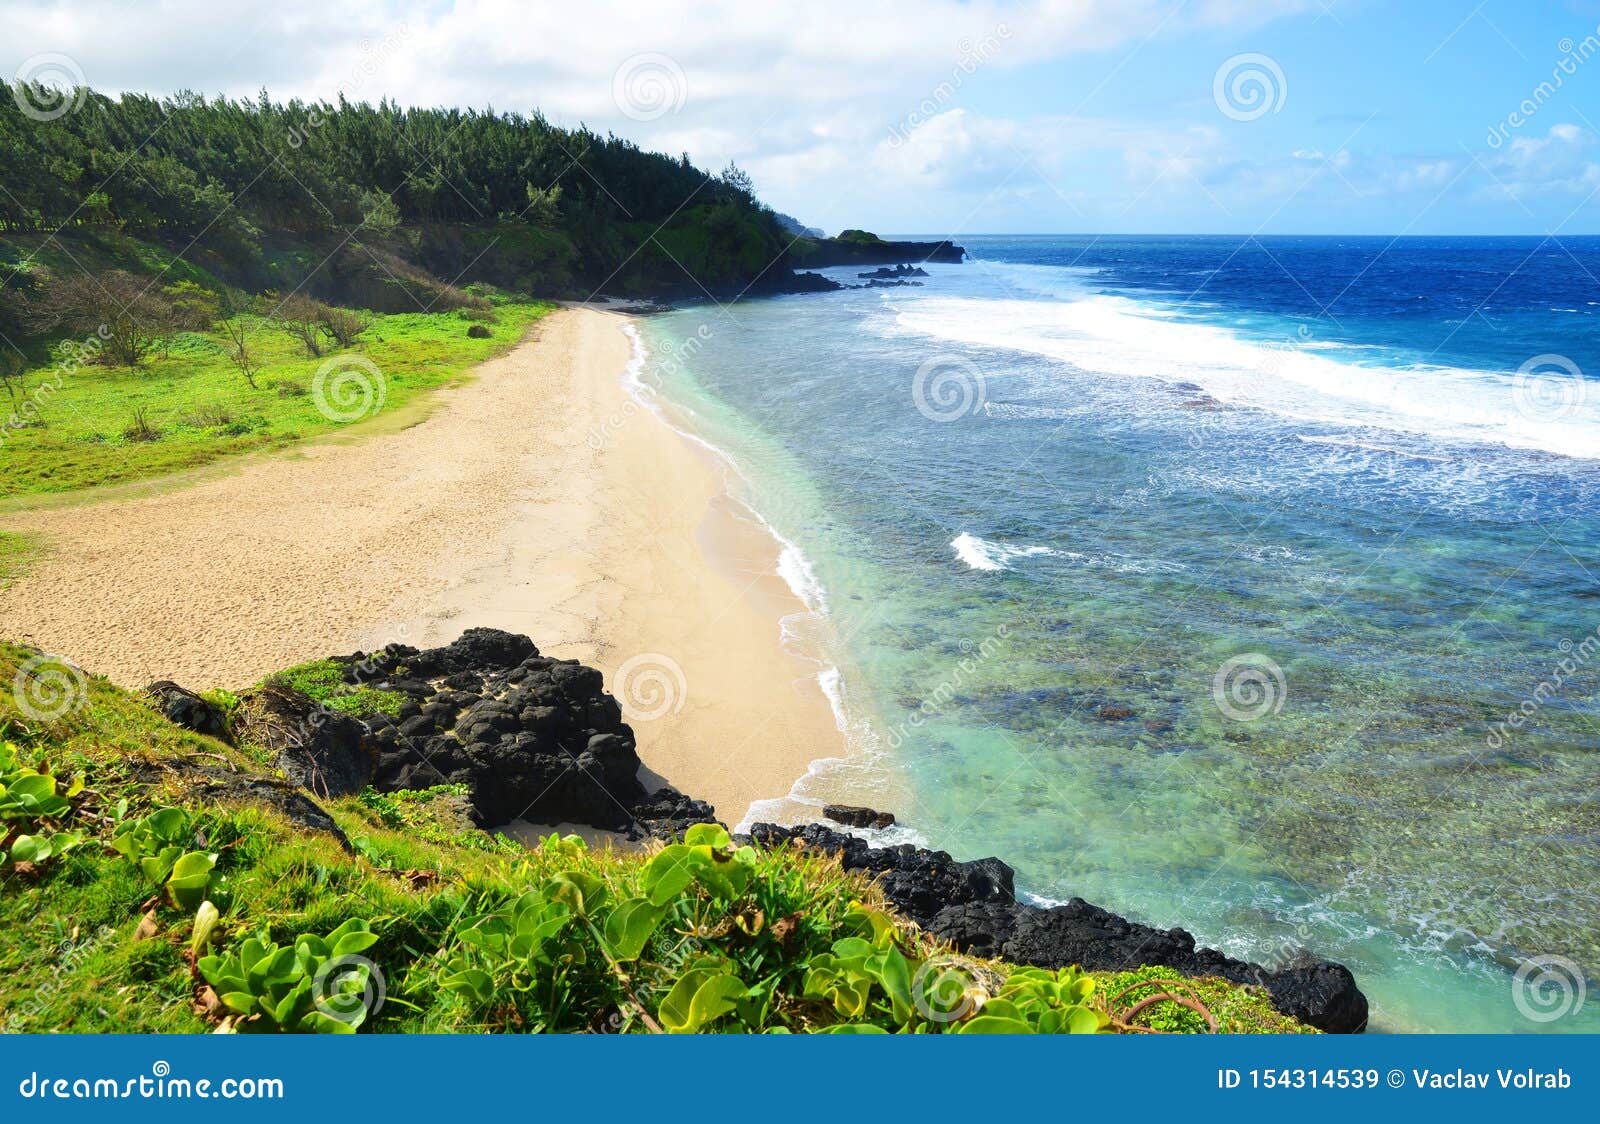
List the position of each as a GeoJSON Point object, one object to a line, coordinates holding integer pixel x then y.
{"type": "Point", "coordinates": [340, 201]}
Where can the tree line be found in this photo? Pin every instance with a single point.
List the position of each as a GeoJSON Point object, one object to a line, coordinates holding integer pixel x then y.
{"type": "Point", "coordinates": [222, 174]}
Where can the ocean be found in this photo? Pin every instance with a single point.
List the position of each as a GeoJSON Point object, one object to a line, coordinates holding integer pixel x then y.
{"type": "Point", "coordinates": [1245, 585]}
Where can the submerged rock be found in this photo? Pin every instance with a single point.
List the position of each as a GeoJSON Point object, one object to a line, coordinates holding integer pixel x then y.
{"type": "Point", "coordinates": [852, 816]}
{"type": "Point", "coordinates": [973, 906]}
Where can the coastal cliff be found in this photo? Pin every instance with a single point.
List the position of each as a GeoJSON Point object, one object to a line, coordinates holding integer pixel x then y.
{"type": "Point", "coordinates": [860, 247]}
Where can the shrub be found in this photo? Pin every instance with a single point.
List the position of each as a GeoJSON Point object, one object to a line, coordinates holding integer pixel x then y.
{"type": "Point", "coordinates": [32, 808]}
{"type": "Point", "coordinates": [316, 985]}
{"type": "Point", "coordinates": [302, 318]}
{"type": "Point", "coordinates": [127, 317]}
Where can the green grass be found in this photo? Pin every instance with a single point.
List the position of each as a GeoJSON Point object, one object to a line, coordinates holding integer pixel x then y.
{"type": "Point", "coordinates": [15, 550]}
{"type": "Point", "coordinates": [92, 945]}
{"type": "Point", "coordinates": [324, 681]}
{"type": "Point", "coordinates": [201, 409]}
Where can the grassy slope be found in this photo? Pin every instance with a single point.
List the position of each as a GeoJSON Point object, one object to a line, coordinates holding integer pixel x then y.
{"type": "Point", "coordinates": [202, 408]}
{"type": "Point", "coordinates": [74, 961]}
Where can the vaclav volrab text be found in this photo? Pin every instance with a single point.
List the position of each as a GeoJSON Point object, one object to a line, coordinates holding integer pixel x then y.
{"type": "Point", "coordinates": [1507, 1079]}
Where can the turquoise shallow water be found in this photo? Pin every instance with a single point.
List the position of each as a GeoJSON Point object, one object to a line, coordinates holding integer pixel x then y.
{"type": "Point", "coordinates": [1211, 612]}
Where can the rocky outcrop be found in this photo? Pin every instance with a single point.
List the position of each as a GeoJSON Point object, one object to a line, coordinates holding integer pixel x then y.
{"type": "Point", "coordinates": [224, 784]}
{"type": "Point", "coordinates": [867, 250]}
{"type": "Point", "coordinates": [185, 708]}
{"type": "Point", "coordinates": [884, 273]}
{"type": "Point", "coordinates": [533, 738]}
{"type": "Point", "coordinates": [782, 281]}
{"type": "Point", "coordinates": [324, 751]}
{"type": "Point", "coordinates": [973, 905]}
{"type": "Point", "coordinates": [852, 815]}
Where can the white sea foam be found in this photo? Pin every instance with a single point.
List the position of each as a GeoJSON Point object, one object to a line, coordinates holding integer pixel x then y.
{"type": "Point", "coordinates": [993, 556]}
{"type": "Point", "coordinates": [798, 632]}
{"type": "Point", "coordinates": [1113, 335]}
{"type": "Point", "coordinates": [1369, 446]}
{"type": "Point", "coordinates": [983, 554]}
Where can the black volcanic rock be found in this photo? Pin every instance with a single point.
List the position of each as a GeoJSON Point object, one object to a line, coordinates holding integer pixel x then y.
{"type": "Point", "coordinates": [799, 282]}
{"type": "Point", "coordinates": [185, 708]}
{"type": "Point", "coordinates": [533, 738]}
{"type": "Point", "coordinates": [884, 273]}
{"type": "Point", "coordinates": [825, 252]}
{"type": "Point", "coordinates": [852, 816]}
{"type": "Point", "coordinates": [973, 906]}
{"type": "Point", "coordinates": [321, 750]}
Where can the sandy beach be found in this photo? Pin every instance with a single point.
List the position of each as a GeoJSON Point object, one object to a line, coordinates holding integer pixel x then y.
{"type": "Point", "coordinates": [538, 497]}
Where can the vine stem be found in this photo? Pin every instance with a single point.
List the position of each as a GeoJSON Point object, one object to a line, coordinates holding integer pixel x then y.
{"type": "Point", "coordinates": [624, 979]}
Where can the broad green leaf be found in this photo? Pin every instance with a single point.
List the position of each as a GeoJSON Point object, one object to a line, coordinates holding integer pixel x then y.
{"type": "Point", "coordinates": [1082, 1020]}
{"type": "Point", "coordinates": [355, 941]}
{"type": "Point", "coordinates": [853, 948]}
{"type": "Point", "coordinates": [241, 1002]}
{"type": "Point", "coordinates": [205, 920]}
{"type": "Point", "coordinates": [33, 786]}
{"type": "Point", "coordinates": [715, 997]}
{"type": "Point", "coordinates": [630, 927]}
{"type": "Point", "coordinates": [993, 1024]}
{"type": "Point", "coordinates": [326, 1024]}
{"type": "Point", "coordinates": [191, 874]}
{"type": "Point", "coordinates": [30, 849]}
{"type": "Point", "coordinates": [471, 981]}
{"type": "Point", "coordinates": [710, 835]}
{"type": "Point", "coordinates": [583, 892]}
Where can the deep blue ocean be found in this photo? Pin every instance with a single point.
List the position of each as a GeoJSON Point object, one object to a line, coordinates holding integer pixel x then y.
{"type": "Point", "coordinates": [1247, 585]}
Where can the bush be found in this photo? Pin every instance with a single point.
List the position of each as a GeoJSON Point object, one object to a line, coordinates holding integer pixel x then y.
{"type": "Point", "coordinates": [124, 317]}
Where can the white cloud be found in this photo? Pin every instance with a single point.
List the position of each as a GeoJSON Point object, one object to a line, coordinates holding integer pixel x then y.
{"type": "Point", "coordinates": [801, 95]}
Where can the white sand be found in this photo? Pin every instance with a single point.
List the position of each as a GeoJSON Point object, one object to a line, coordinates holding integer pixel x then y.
{"type": "Point", "coordinates": [537, 498]}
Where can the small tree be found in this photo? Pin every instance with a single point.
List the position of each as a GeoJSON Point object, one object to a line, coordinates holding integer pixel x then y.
{"type": "Point", "coordinates": [543, 204]}
{"type": "Point", "coordinates": [341, 325]}
{"type": "Point", "coordinates": [194, 308]}
{"type": "Point", "coordinates": [11, 375]}
{"type": "Point", "coordinates": [302, 317]}
{"type": "Point", "coordinates": [129, 315]}
{"type": "Point", "coordinates": [238, 348]}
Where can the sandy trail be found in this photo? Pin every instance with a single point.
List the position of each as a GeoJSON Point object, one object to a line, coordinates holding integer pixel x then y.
{"type": "Point", "coordinates": [538, 498]}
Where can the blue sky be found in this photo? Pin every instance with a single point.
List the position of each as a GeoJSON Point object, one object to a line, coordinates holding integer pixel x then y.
{"type": "Point", "coordinates": [1383, 123]}
{"type": "Point", "coordinates": [960, 116]}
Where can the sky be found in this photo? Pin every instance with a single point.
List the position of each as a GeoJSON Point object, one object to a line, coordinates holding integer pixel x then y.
{"type": "Point", "coordinates": [936, 117]}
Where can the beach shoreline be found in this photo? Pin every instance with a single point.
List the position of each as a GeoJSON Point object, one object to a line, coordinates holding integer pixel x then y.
{"type": "Point", "coordinates": [539, 497]}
